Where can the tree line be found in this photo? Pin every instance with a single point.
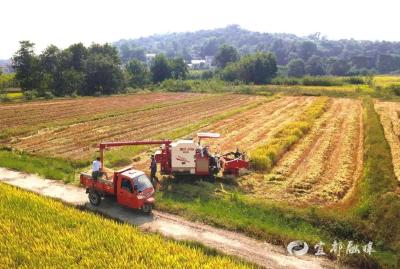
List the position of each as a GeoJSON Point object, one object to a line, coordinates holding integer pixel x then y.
{"type": "Point", "coordinates": [98, 69]}
{"type": "Point", "coordinates": [80, 70]}
{"type": "Point", "coordinates": [313, 54]}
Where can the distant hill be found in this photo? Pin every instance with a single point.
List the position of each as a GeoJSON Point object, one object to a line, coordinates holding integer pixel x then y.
{"type": "Point", "coordinates": [5, 66]}
{"type": "Point", "coordinates": [381, 56]}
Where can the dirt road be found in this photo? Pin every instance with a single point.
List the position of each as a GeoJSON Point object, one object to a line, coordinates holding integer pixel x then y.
{"type": "Point", "coordinates": [254, 251]}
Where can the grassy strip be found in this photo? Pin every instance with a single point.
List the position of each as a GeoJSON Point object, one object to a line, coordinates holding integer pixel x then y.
{"type": "Point", "coordinates": [378, 202]}
{"type": "Point", "coordinates": [40, 232]}
{"type": "Point", "coordinates": [278, 223]}
{"type": "Point", "coordinates": [350, 91]}
{"type": "Point", "coordinates": [320, 80]}
{"type": "Point", "coordinates": [53, 168]}
{"type": "Point", "coordinates": [120, 157]}
{"type": "Point", "coordinates": [224, 207]}
{"type": "Point", "coordinates": [266, 155]}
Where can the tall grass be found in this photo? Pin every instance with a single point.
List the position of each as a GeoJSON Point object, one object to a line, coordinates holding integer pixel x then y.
{"type": "Point", "coordinates": [318, 81]}
{"type": "Point", "coordinates": [37, 232]}
{"type": "Point", "coordinates": [266, 155]}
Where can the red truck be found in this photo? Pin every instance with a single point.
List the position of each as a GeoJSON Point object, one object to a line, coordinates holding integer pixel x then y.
{"type": "Point", "coordinates": [129, 187]}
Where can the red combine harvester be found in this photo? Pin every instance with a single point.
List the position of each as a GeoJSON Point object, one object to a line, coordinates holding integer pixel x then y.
{"type": "Point", "coordinates": [183, 157]}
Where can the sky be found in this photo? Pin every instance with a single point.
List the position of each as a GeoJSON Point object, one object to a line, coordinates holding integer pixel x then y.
{"type": "Point", "coordinates": [64, 22]}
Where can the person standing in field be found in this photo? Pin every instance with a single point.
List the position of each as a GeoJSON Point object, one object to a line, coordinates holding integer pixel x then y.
{"type": "Point", "coordinates": [153, 170]}
{"type": "Point", "coordinates": [96, 168]}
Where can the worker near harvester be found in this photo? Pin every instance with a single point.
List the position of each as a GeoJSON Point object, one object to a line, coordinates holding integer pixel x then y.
{"type": "Point", "coordinates": [153, 170]}
{"type": "Point", "coordinates": [96, 168]}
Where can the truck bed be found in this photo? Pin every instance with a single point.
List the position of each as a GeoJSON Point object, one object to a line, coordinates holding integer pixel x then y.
{"type": "Point", "coordinates": [101, 185]}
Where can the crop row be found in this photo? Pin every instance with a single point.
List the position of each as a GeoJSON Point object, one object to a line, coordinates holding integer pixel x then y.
{"type": "Point", "coordinates": [264, 156]}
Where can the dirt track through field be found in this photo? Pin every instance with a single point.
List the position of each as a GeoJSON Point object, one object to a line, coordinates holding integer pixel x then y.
{"type": "Point", "coordinates": [389, 113]}
{"type": "Point", "coordinates": [231, 243]}
{"type": "Point", "coordinates": [322, 166]}
{"type": "Point", "coordinates": [79, 141]}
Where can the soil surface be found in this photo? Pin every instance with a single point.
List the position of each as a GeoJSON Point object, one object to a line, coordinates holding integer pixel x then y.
{"type": "Point", "coordinates": [231, 243]}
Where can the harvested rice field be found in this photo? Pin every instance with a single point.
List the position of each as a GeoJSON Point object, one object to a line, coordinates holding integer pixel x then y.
{"type": "Point", "coordinates": [320, 168]}
{"type": "Point", "coordinates": [389, 113]}
{"type": "Point", "coordinates": [323, 166]}
{"type": "Point", "coordinates": [130, 120]}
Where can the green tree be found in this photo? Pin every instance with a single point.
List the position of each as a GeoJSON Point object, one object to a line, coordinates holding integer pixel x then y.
{"type": "Point", "coordinates": [230, 72]}
{"type": "Point", "coordinates": [70, 82]}
{"type": "Point", "coordinates": [258, 68]}
{"type": "Point", "coordinates": [296, 68]}
{"type": "Point", "coordinates": [160, 69]}
{"type": "Point", "coordinates": [388, 63]}
{"type": "Point", "coordinates": [75, 56]}
{"type": "Point", "coordinates": [178, 68]}
{"type": "Point", "coordinates": [26, 65]}
{"type": "Point", "coordinates": [225, 55]}
{"type": "Point", "coordinates": [315, 66]}
{"type": "Point", "coordinates": [103, 73]}
{"type": "Point", "coordinates": [338, 67]}
{"type": "Point", "coordinates": [138, 75]}
{"type": "Point", "coordinates": [209, 47]}
{"type": "Point", "coordinates": [306, 49]}
{"type": "Point", "coordinates": [50, 65]}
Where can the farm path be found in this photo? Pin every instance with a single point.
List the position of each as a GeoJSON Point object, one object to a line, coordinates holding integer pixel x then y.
{"type": "Point", "coordinates": [231, 243]}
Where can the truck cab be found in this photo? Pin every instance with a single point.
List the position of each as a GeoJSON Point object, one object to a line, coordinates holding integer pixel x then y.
{"type": "Point", "coordinates": [129, 187]}
{"type": "Point", "coordinates": [134, 190]}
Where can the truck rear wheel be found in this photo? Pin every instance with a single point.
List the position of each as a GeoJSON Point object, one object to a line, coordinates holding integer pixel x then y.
{"type": "Point", "coordinates": [94, 198]}
{"type": "Point", "coordinates": [147, 208]}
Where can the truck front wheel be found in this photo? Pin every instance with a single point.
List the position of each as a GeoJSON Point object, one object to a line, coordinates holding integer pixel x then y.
{"type": "Point", "coordinates": [147, 208]}
{"type": "Point", "coordinates": [94, 198]}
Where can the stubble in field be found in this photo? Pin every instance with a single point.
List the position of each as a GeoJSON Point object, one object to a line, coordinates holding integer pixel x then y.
{"type": "Point", "coordinates": [389, 113]}
{"type": "Point", "coordinates": [322, 167]}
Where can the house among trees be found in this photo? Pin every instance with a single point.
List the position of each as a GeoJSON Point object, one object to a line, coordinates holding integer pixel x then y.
{"type": "Point", "coordinates": [150, 57]}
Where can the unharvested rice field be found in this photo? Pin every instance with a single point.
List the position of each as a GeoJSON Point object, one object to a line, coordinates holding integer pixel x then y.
{"type": "Point", "coordinates": [38, 232]}
{"type": "Point", "coordinates": [389, 113]}
{"type": "Point", "coordinates": [322, 167]}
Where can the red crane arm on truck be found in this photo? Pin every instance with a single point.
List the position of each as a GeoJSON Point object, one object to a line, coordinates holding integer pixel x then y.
{"type": "Point", "coordinates": [106, 145]}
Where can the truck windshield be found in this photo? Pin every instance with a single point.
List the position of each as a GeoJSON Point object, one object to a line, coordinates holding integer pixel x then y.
{"type": "Point", "coordinates": [142, 182]}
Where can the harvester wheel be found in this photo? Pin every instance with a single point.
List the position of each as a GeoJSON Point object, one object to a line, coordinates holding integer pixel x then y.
{"type": "Point", "coordinates": [94, 198]}
{"type": "Point", "coordinates": [147, 208]}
